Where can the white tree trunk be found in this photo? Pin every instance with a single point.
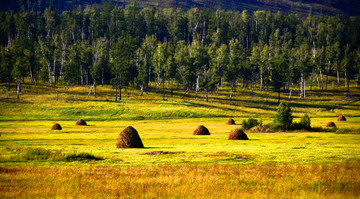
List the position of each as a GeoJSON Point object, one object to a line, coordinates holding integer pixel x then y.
{"type": "Point", "coordinates": [345, 78]}
{"type": "Point", "coordinates": [231, 90]}
{"type": "Point", "coordinates": [197, 86]}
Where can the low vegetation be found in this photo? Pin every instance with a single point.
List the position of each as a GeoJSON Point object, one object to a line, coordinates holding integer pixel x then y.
{"type": "Point", "coordinates": [83, 160]}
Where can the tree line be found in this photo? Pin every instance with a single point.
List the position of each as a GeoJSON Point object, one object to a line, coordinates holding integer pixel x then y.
{"type": "Point", "coordinates": [195, 49]}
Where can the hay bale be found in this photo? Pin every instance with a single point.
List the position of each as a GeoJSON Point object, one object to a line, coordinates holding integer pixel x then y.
{"type": "Point", "coordinates": [341, 118]}
{"type": "Point", "coordinates": [80, 122]}
{"type": "Point", "coordinates": [129, 138]}
{"type": "Point", "coordinates": [330, 124]}
{"type": "Point", "coordinates": [230, 121]}
{"type": "Point", "coordinates": [56, 126]}
{"type": "Point", "coordinates": [201, 130]}
{"type": "Point", "coordinates": [238, 134]}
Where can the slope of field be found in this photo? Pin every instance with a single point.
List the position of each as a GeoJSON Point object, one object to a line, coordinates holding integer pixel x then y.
{"type": "Point", "coordinates": [83, 161]}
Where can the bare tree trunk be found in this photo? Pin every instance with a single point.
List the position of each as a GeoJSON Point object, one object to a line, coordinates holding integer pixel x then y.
{"type": "Point", "coordinates": [91, 90]}
{"type": "Point", "coordinates": [301, 85]}
{"type": "Point", "coordinates": [291, 88]}
{"type": "Point", "coordinates": [54, 71]}
{"type": "Point", "coordinates": [81, 75]}
{"type": "Point", "coordinates": [57, 95]}
{"type": "Point", "coordinates": [327, 75]}
{"type": "Point", "coordinates": [187, 89]}
{"type": "Point", "coordinates": [338, 78]}
{"type": "Point", "coordinates": [61, 69]}
{"type": "Point", "coordinates": [197, 86]}
{"type": "Point", "coordinates": [322, 80]}
{"type": "Point", "coordinates": [116, 89]}
{"type": "Point", "coordinates": [261, 81]}
{"type": "Point", "coordinates": [102, 76]}
{"type": "Point", "coordinates": [357, 80]}
{"type": "Point", "coordinates": [120, 76]}
{"type": "Point", "coordinates": [164, 88]}
{"type": "Point", "coordinates": [31, 75]}
{"type": "Point", "coordinates": [304, 89]}
{"type": "Point", "coordinates": [49, 69]}
{"type": "Point", "coordinates": [18, 90]}
{"type": "Point", "coordinates": [312, 77]}
{"type": "Point", "coordinates": [172, 81]}
{"type": "Point", "coordinates": [141, 90]}
{"type": "Point", "coordinates": [231, 89]}
{"type": "Point", "coordinates": [345, 78]}
{"type": "Point", "coordinates": [94, 89]}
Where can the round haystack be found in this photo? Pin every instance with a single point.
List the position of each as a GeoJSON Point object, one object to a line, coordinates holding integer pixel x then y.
{"type": "Point", "coordinates": [230, 121]}
{"type": "Point", "coordinates": [341, 118]}
{"type": "Point", "coordinates": [201, 130]}
{"type": "Point", "coordinates": [330, 124]}
{"type": "Point", "coordinates": [238, 134]}
{"type": "Point", "coordinates": [129, 138]}
{"type": "Point", "coordinates": [80, 122]}
{"type": "Point", "coordinates": [56, 126]}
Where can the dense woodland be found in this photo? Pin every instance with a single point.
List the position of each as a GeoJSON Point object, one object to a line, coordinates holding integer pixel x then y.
{"type": "Point", "coordinates": [197, 49]}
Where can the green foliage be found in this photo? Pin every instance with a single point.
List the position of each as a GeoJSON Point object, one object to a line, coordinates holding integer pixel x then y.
{"type": "Point", "coordinates": [305, 122]}
{"type": "Point", "coordinates": [283, 118]}
{"type": "Point", "coordinates": [342, 131]}
{"type": "Point", "coordinates": [80, 157]}
{"type": "Point", "coordinates": [250, 123]}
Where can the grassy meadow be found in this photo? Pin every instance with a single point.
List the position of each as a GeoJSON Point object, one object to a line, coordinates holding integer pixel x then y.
{"type": "Point", "coordinates": [83, 161]}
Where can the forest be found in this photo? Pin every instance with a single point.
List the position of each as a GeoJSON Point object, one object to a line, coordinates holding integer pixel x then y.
{"type": "Point", "coordinates": [195, 49]}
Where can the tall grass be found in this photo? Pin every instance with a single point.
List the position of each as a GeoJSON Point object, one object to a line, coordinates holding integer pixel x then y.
{"type": "Point", "coordinates": [195, 181]}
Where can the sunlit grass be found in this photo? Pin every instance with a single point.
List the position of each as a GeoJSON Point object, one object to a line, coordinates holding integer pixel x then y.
{"type": "Point", "coordinates": [83, 161]}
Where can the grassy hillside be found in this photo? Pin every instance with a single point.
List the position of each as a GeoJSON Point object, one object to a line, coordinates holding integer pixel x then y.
{"type": "Point", "coordinates": [318, 7]}
{"type": "Point", "coordinates": [83, 162]}
{"type": "Point", "coordinates": [302, 7]}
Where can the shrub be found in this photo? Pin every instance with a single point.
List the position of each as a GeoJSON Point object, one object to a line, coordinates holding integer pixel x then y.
{"type": "Point", "coordinates": [283, 118]}
{"type": "Point", "coordinates": [305, 122]}
{"type": "Point", "coordinates": [342, 131]}
{"type": "Point", "coordinates": [80, 157]}
{"type": "Point", "coordinates": [250, 123]}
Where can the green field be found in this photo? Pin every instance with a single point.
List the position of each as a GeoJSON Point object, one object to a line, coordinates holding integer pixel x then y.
{"type": "Point", "coordinates": [83, 161]}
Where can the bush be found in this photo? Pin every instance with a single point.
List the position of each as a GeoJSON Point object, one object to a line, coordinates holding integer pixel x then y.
{"type": "Point", "coordinates": [305, 122]}
{"type": "Point", "coordinates": [250, 123]}
{"type": "Point", "coordinates": [283, 118]}
{"type": "Point", "coordinates": [80, 157]}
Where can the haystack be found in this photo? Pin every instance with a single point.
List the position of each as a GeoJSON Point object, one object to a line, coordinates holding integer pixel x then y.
{"type": "Point", "coordinates": [56, 126]}
{"type": "Point", "coordinates": [201, 130]}
{"type": "Point", "coordinates": [330, 124]}
{"type": "Point", "coordinates": [80, 122]}
{"type": "Point", "coordinates": [238, 134]}
{"type": "Point", "coordinates": [129, 138]}
{"type": "Point", "coordinates": [341, 118]}
{"type": "Point", "coordinates": [230, 121]}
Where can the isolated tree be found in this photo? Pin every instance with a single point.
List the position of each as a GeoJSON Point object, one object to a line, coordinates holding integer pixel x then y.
{"type": "Point", "coordinates": [283, 117]}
